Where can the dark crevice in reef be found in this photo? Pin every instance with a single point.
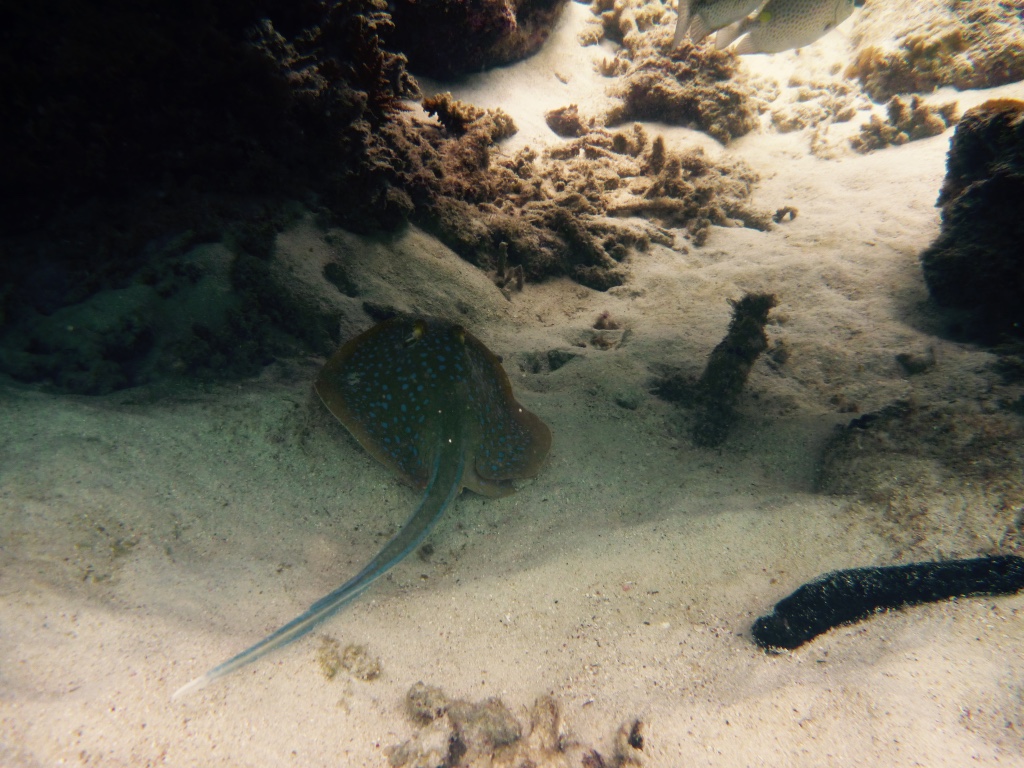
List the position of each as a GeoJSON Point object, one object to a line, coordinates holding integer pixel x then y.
{"type": "Point", "coordinates": [137, 133]}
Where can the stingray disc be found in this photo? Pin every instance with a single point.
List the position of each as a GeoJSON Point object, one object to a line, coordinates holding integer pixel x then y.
{"type": "Point", "coordinates": [389, 384]}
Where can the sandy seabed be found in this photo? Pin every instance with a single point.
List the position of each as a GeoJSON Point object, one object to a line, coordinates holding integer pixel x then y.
{"type": "Point", "coordinates": [149, 535]}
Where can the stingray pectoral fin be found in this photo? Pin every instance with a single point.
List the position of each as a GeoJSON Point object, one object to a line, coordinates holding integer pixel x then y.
{"type": "Point", "coordinates": [445, 484]}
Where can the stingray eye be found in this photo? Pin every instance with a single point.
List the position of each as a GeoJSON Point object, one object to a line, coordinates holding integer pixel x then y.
{"type": "Point", "coordinates": [459, 333]}
{"type": "Point", "coordinates": [418, 329]}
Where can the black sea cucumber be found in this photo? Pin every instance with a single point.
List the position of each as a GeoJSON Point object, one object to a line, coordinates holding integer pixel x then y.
{"type": "Point", "coordinates": [845, 597]}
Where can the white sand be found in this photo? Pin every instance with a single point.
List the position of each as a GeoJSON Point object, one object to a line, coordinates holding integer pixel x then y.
{"type": "Point", "coordinates": [150, 535]}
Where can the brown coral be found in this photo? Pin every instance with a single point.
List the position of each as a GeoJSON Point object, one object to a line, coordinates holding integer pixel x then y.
{"type": "Point", "coordinates": [966, 45]}
{"type": "Point", "coordinates": [558, 213]}
{"type": "Point", "coordinates": [690, 85]}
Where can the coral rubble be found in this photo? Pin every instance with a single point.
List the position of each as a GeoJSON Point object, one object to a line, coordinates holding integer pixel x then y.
{"type": "Point", "coordinates": [976, 262]}
{"type": "Point", "coordinates": [567, 211]}
{"type": "Point", "coordinates": [455, 732]}
{"type": "Point", "coordinates": [817, 102]}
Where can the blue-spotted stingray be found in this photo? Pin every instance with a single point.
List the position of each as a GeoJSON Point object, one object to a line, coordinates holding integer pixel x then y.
{"type": "Point", "coordinates": [432, 403]}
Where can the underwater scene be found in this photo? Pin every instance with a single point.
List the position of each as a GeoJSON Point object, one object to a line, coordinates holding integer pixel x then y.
{"type": "Point", "coordinates": [512, 383]}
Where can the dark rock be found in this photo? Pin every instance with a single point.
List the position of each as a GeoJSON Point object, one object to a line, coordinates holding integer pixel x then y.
{"type": "Point", "coordinates": [448, 38]}
{"type": "Point", "coordinates": [977, 262]}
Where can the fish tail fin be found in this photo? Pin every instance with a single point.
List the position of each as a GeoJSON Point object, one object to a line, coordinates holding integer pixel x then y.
{"type": "Point", "coordinates": [699, 29]}
{"type": "Point", "coordinates": [725, 36]}
{"type": "Point", "coordinates": [682, 22]}
{"type": "Point", "coordinates": [445, 484]}
{"type": "Point", "coordinates": [745, 47]}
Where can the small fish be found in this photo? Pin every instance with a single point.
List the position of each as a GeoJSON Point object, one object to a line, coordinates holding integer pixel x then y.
{"type": "Point", "coordinates": [429, 401]}
{"type": "Point", "coordinates": [702, 17]}
{"type": "Point", "coordinates": [785, 24]}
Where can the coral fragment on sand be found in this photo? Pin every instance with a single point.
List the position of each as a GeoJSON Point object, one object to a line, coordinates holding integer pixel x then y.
{"type": "Point", "coordinates": [908, 120]}
{"type": "Point", "coordinates": [354, 659]}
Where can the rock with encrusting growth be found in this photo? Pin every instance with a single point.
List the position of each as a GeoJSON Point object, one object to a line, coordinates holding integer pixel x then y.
{"type": "Point", "coordinates": [977, 262]}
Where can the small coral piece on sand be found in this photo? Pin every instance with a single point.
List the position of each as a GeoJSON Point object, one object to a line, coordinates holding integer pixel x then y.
{"type": "Point", "coordinates": [909, 120]}
{"type": "Point", "coordinates": [567, 122]}
{"type": "Point", "coordinates": [354, 659]}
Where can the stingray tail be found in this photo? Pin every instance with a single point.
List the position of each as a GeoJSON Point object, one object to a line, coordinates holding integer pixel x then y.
{"type": "Point", "coordinates": [444, 485]}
